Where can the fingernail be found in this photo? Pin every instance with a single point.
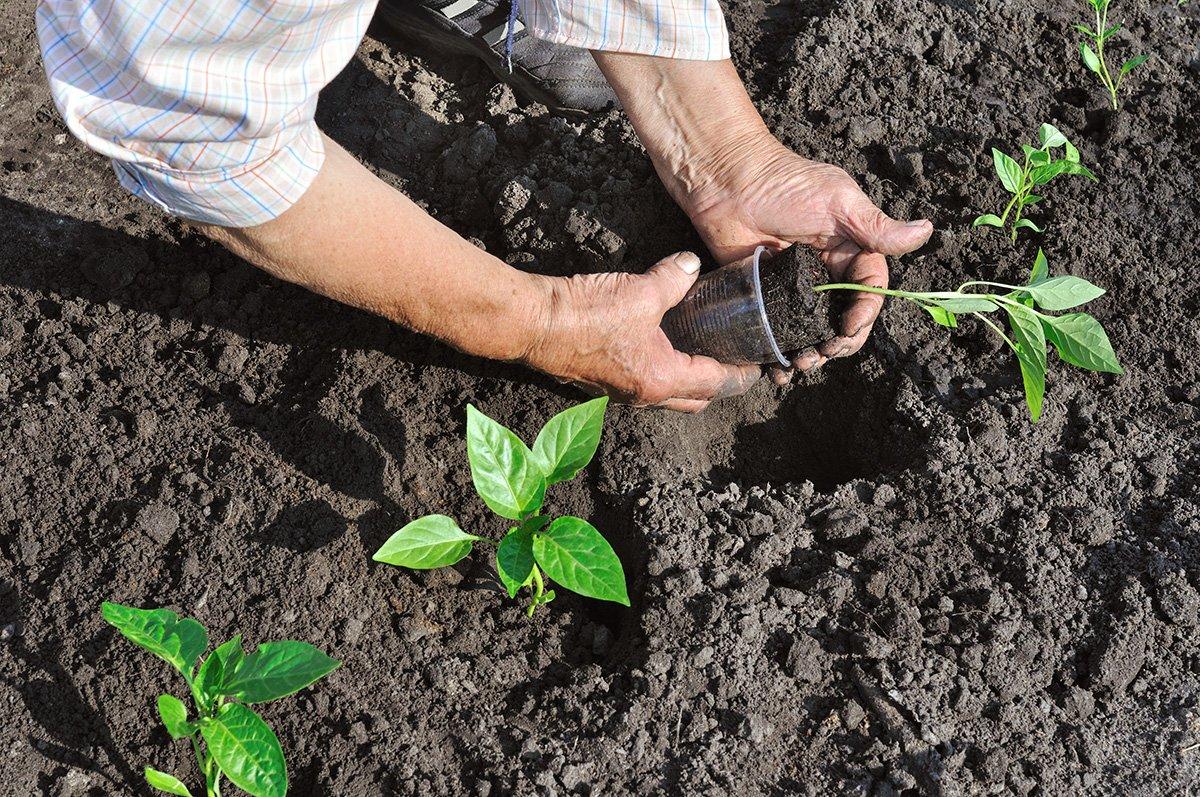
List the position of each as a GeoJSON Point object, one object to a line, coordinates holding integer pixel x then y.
{"type": "Point", "coordinates": [806, 359]}
{"type": "Point", "coordinates": [688, 261]}
{"type": "Point", "coordinates": [917, 223]}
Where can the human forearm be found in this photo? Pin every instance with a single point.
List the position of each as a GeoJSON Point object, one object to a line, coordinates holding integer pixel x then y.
{"type": "Point", "coordinates": [355, 239]}
{"type": "Point", "coordinates": [695, 119]}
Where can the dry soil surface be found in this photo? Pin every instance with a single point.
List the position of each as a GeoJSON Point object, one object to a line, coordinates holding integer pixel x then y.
{"type": "Point", "coordinates": [881, 579]}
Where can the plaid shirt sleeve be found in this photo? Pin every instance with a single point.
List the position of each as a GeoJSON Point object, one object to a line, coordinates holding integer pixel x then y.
{"type": "Point", "coordinates": [204, 106]}
{"type": "Point", "coordinates": [689, 29]}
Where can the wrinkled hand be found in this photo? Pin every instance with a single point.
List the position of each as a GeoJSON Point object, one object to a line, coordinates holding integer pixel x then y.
{"type": "Point", "coordinates": [771, 196]}
{"type": "Point", "coordinates": [602, 333]}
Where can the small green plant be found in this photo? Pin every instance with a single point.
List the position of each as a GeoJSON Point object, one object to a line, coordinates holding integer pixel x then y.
{"type": "Point", "coordinates": [1038, 168]}
{"type": "Point", "coordinates": [229, 738]}
{"type": "Point", "coordinates": [1093, 53]}
{"type": "Point", "coordinates": [1079, 338]}
{"type": "Point", "coordinates": [511, 478]}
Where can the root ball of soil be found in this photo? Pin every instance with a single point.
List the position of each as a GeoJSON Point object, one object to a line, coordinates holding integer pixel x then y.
{"type": "Point", "coordinates": [799, 318]}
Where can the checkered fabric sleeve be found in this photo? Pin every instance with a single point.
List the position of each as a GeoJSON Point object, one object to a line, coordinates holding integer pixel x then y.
{"type": "Point", "coordinates": [688, 29]}
{"type": "Point", "coordinates": [204, 106]}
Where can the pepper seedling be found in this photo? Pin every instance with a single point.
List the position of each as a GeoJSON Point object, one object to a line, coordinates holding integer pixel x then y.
{"type": "Point", "coordinates": [512, 478]}
{"type": "Point", "coordinates": [1038, 168]}
{"type": "Point", "coordinates": [229, 739]}
{"type": "Point", "coordinates": [1093, 53]}
{"type": "Point", "coordinates": [1078, 337]}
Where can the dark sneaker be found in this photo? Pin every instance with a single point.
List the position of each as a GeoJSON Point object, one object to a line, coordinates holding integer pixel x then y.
{"type": "Point", "coordinates": [560, 77]}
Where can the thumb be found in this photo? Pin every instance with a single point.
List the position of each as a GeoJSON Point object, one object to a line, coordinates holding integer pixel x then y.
{"type": "Point", "coordinates": [672, 276]}
{"type": "Point", "coordinates": [876, 231]}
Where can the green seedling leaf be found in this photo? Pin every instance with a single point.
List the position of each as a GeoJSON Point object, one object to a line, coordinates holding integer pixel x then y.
{"type": "Point", "coordinates": [1008, 170]}
{"type": "Point", "coordinates": [1133, 63]}
{"type": "Point", "coordinates": [989, 219]}
{"type": "Point", "coordinates": [173, 713]}
{"type": "Point", "coordinates": [152, 629]}
{"type": "Point", "coordinates": [165, 782]}
{"type": "Point", "coordinates": [1041, 268]}
{"type": "Point", "coordinates": [1030, 199]}
{"type": "Point", "coordinates": [1072, 154]}
{"type": "Point", "coordinates": [1050, 136]}
{"type": "Point", "coordinates": [1090, 60]}
{"type": "Point", "coordinates": [1026, 224]}
{"type": "Point", "coordinates": [1085, 30]}
{"type": "Point", "coordinates": [568, 441]}
{"type": "Point", "coordinates": [575, 555]}
{"type": "Point", "coordinates": [1031, 354]}
{"type": "Point", "coordinates": [277, 669]}
{"type": "Point", "coordinates": [225, 658]}
{"type": "Point", "coordinates": [1044, 174]}
{"type": "Point", "coordinates": [1081, 341]}
{"type": "Point", "coordinates": [941, 315]}
{"type": "Point", "coordinates": [1063, 293]}
{"type": "Point", "coordinates": [425, 543]}
{"type": "Point", "coordinates": [503, 469]}
{"type": "Point", "coordinates": [1039, 158]}
{"type": "Point", "coordinates": [514, 555]}
{"type": "Point", "coordinates": [1108, 33]}
{"type": "Point", "coordinates": [247, 751]}
{"type": "Point", "coordinates": [193, 641]}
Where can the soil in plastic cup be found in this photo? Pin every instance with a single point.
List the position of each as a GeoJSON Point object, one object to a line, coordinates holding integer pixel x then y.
{"type": "Point", "coordinates": [735, 313]}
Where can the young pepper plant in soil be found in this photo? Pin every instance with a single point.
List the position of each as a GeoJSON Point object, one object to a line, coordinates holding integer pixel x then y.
{"type": "Point", "coordinates": [1038, 167]}
{"type": "Point", "coordinates": [1078, 337]}
{"type": "Point", "coordinates": [512, 478]}
{"type": "Point", "coordinates": [229, 739]}
{"type": "Point", "coordinates": [1093, 53]}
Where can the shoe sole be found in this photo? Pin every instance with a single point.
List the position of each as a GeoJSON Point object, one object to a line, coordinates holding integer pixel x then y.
{"type": "Point", "coordinates": [425, 26]}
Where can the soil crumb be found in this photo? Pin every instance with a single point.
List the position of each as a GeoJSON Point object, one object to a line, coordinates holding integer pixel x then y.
{"type": "Point", "coordinates": [799, 318]}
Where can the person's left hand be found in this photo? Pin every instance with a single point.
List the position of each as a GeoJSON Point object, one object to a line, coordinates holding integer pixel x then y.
{"type": "Point", "coordinates": [771, 196]}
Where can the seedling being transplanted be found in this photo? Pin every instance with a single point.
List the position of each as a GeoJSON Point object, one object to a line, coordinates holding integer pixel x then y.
{"type": "Point", "coordinates": [511, 478]}
{"type": "Point", "coordinates": [1079, 338]}
{"type": "Point", "coordinates": [1092, 51]}
{"type": "Point", "coordinates": [1038, 168]}
{"type": "Point", "coordinates": [230, 740]}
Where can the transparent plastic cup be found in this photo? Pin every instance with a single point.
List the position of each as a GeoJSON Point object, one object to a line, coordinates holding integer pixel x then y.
{"type": "Point", "coordinates": [723, 316]}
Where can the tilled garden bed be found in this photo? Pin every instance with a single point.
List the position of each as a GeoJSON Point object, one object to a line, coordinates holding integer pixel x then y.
{"type": "Point", "coordinates": [880, 579]}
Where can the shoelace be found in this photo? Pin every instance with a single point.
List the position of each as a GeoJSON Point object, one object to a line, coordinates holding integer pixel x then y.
{"type": "Point", "coordinates": [513, 9]}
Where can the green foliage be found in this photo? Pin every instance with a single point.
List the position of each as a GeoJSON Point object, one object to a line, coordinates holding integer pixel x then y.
{"type": "Point", "coordinates": [512, 479]}
{"type": "Point", "coordinates": [1091, 51]}
{"type": "Point", "coordinates": [237, 744]}
{"type": "Point", "coordinates": [1077, 337]}
{"type": "Point", "coordinates": [1038, 167]}
{"type": "Point", "coordinates": [426, 543]}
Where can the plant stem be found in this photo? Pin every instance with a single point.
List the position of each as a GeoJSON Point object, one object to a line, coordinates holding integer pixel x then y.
{"type": "Point", "coordinates": [997, 328]}
{"type": "Point", "coordinates": [539, 589]}
{"type": "Point", "coordinates": [928, 297]}
{"type": "Point", "coordinates": [1105, 76]}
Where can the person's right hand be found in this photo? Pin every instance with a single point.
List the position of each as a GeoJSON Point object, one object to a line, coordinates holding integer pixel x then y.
{"type": "Point", "coordinates": [602, 333]}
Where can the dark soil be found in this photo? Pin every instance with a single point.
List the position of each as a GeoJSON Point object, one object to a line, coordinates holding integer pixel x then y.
{"type": "Point", "coordinates": [799, 318]}
{"type": "Point", "coordinates": [880, 579]}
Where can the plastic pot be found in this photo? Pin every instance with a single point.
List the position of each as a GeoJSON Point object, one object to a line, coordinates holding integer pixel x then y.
{"type": "Point", "coordinates": [724, 316]}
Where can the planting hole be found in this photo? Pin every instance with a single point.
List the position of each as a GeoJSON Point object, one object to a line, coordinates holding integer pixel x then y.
{"type": "Point", "coordinates": [842, 429]}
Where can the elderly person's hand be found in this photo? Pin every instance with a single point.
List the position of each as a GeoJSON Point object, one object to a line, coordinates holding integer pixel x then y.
{"type": "Point", "coordinates": [773, 197]}
{"type": "Point", "coordinates": [601, 332]}
{"type": "Point", "coordinates": [742, 188]}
